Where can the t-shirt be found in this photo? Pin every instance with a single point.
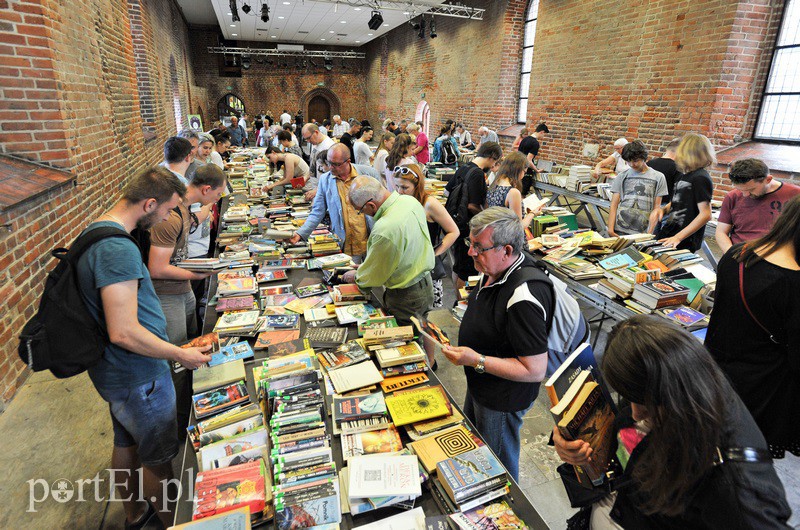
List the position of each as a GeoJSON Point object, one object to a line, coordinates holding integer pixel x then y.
{"type": "Point", "coordinates": [529, 145]}
{"type": "Point", "coordinates": [752, 218]}
{"type": "Point", "coordinates": [216, 159]}
{"type": "Point", "coordinates": [669, 169]}
{"type": "Point", "coordinates": [424, 156]}
{"type": "Point", "coordinates": [362, 152]}
{"type": "Point", "coordinates": [380, 164]}
{"type": "Point", "coordinates": [116, 260]}
{"type": "Point", "coordinates": [621, 165]}
{"type": "Point", "coordinates": [347, 139]}
{"type": "Point", "coordinates": [199, 236]}
{"type": "Point", "coordinates": [475, 183]}
{"type": "Point", "coordinates": [524, 333]}
{"type": "Point", "coordinates": [690, 189]}
{"type": "Point", "coordinates": [638, 192]}
{"type": "Point", "coordinates": [168, 234]}
{"type": "Point", "coordinates": [286, 118]}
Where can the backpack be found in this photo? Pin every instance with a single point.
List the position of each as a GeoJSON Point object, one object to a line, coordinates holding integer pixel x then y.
{"type": "Point", "coordinates": [457, 200]}
{"type": "Point", "coordinates": [63, 336]}
{"type": "Point", "coordinates": [141, 236]}
{"type": "Point", "coordinates": [449, 156]}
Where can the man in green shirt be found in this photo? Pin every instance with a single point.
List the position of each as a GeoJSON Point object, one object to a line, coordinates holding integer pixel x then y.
{"type": "Point", "coordinates": [399, 251]}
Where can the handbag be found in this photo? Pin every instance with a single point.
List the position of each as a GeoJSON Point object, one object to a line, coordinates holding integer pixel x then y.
{"type": "Point", "coordinates": [438, 271]}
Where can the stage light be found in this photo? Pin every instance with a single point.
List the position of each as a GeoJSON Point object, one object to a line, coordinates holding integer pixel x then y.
{"type": "Point", "coordinates": [328, 64]}
{"type": "Point", "coordinates": [376, 20]}
{"type": "Point", "coordinates": [246, 9]}
{"type": "Point", "coordinates": [264, 13]}
{"type": "Point", "coordinates": [433, 28]}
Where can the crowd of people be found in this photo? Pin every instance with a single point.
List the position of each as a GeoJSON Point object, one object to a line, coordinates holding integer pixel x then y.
{"type": "Point", "coordinates": [684, 405]}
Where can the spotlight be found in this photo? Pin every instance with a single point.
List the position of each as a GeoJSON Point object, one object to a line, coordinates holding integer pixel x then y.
{"type": "Point", "coordinates": [246, 62]}
{"type": "Point", "coordinates": [328, 64]}
{"type": "Point", "coordinates": [433, 28]}
{"type": "Point", "coordinates": [246, 9]}
{"type": "Point", "coordinates": [414, 25]}
{"type": "Point", "coordinates": [376, 20]}
{"type": "Point", "coordinates": [264, 13]}
{"type": "Point", "coordinates": [421, 33]}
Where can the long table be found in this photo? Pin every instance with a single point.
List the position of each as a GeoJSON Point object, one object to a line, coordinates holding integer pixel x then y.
{"type": "Point", "coordinates": [183, 510]}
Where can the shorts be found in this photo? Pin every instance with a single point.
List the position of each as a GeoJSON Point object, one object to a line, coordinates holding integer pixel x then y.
{"type": "Point", "coordinates": [144, 416]}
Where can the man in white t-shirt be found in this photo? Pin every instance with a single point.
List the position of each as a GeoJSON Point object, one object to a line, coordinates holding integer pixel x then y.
{"type": "Point", "coordinates": [319, 142]}
{"type": "Point", "coordinates": [286, 117]}
{"type": "Point", "coordinates": [614, 160]}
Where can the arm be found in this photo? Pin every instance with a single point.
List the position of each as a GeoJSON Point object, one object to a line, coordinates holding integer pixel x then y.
{"type": "Point", "coordinates": [609, 161]}
{"type": "Point", "coordinates": [161, 269]}
{"type": "Point", "coordinates": [722, 235]}
{"type": "Point", "coordinates": [204, 213]}
{"type": "Point", "coordinates": [439, 214]}
{"type": "Point", "coordinates": [612, 214]}
{"type": "Point", "coordinates": [121, 310]}
{"type": "Point", "coordinates": [288, 174]}
{"type": "Point", "coordinates": [382, 259]}
{"type": "Point", "coordinates": [651, 226]}
{"type": "Point", "coordinates": [696, 224]}
{"type": "Point", "coordinates": [527, 369]}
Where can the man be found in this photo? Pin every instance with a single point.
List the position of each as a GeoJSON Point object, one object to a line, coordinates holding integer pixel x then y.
{"type": "Point", "coordinates": [331, 197]}
{"type": "Point", "coordinates": [238, 134]}
{"type": "Point", "coordinates": [350, 136]}
{"type": "Point", "coordinates": [666, 166]}
{"type": "Point", "coordinates": [285, 118]}
{"type": "Point", "coordinates": [339, 127]}
{"type": "Point", "coordinates": [399, 252]}
{"type": "Point", "coordinates": [636, 194]}
{"type": "Point", "coordinates": [402, 128]}
{"type": "Point", "coordinates": [487, 135]}
{"type": "Point", "coordinates": [529, 146]}
{"type": "Point", "coordinates": [134, 375]}
{"type": "Point", "coordinates": [749, 211]}
{"type": "Point", "coordinates": [319, 142]}
{"type": "Point", "coordinates": [503, 335]}
{"type": "Point", "coordinates": [243, 123]}
{"type": "Point", "coordinates": [194, 139]}
{"type": "Point", "coordinates": [614, 159]}
{"type": "Point", "coordinates": [178, 156]}
{"type": "Point", "coordinates": [472, 178]}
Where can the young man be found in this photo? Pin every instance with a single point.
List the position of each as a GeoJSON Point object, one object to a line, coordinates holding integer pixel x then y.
{"type": "Point", "coordinates": [529, 146]}
{"type": "Point", "coordinates": [749, 211]}
{"type": "Point", "coordinates": [636, 194]}
{"type": "Point", "coordinates": [134, 375]}
{"type": "Point", "coordinates": [178, 156]}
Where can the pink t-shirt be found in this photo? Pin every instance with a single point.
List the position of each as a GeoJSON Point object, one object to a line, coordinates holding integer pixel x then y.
{"type": "Point", "coordinates": [423, 157]}
{"type": "Point", "coordinates": [752, 218]}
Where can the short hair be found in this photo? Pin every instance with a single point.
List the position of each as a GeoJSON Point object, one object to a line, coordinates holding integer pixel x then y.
{"type": "Point", "coordinates": [386, 122]}
{"type": "Point", "coordinates": [748, 169]}
{"type": "Point", "coordinates": [235, 118]}
{"type": "Point", "coordinates": [189, 134]}
{"type": "Point", "coordinates": [483, 128]}
{"type": "Point", "coordinates": [523, 131]}
{"type": "Point", "coordinates": [284, 136]}
{"type": "Point", "coordinates": [222, 136]}
{"type": "Point", "coordinates": [412, 127]}
{"type": "Point", "coordinates": [694, 152]}
{"type": "Point", "coordinates": [336, 116]}
{"type": "Point", "coordinates": [176, 149]}
{"type": "Point", "coordinates": [208, 175]}
{"type": "Point", "coordinates": [310, 128]}
{"type": "Point", "coordinates": [287, 126]}
{"type": "Point", "coordinates": [205, 137]}
{"type": "Point", "coordinates": [620, 142]}
{"type": "Point", "coordinates": [154, 182]}
{"type": "Point", "coordinates": [673, 145]}
{"type": "Point", "coordinates": [490, 150]}
{"type": "Point", "coordinates": [542, 127]}
{"type": "Point", "coordinates": [506, 228]}
{"type": "Point", "coordinates": [459, 124]}
{"type": "Point", "coordinates": [635, 150]}
{"type": "Point", "coordinates": [364, 190]}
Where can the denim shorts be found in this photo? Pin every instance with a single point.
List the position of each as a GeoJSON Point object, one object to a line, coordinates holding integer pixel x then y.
{"type": "Point", "coordinates": [144, 416]}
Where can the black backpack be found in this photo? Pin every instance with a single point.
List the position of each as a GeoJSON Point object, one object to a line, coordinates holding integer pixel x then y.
{"type": "Point", "coordinates": [63, 336]}
{"type": "Point", "coordinates": [458, 199]}
{"type": "Point", "coordinates": [449, 156]}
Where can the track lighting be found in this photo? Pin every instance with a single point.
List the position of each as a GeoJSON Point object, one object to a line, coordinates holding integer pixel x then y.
{"type": "Point", "coordinates": [246, 9]}
{"type": "Point", "coordinates": [433, 28]}
{"type": "Point", "coordinates": [376, 20]}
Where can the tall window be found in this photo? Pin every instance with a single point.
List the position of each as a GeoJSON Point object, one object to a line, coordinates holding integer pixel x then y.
{"type": "Point", "coordinates": [527, 59]}
{"type": "Point", "coordinates": [780, 108]}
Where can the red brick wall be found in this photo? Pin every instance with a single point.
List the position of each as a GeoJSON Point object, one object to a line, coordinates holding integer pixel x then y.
{"type": "Point", "coordinates": [79, 109]}
{"type": "Point", "coordinates": [273, 87]}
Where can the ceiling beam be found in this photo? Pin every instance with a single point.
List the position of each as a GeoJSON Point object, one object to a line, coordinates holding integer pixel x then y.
{"type": "Point", "coordinates": [416, 7]}
{"type": "Point", "coordinates": [273, 52]}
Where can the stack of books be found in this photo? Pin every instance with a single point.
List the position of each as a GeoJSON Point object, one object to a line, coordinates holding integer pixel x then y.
{"type": "Point", "coordinates": [579, 177]}
{"type": "Point", "coordinates": [357, 414]}
{"type": "Point", "coordinates": [659, 293]}
{"type": "Point", "coordinates": [469, 480]}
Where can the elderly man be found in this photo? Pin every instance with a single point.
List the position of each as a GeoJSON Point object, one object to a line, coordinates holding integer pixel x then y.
{"type": "Point", "coordinates": [238, 134]}
{"type": "Point", "coordinates": [334, 186]}
{"type": "Point", "coordinates": [503, 338]}
{"type": "Point", "coordinates": [339, 127]}
{"type": "Point", "coordinates": [399, 252]}
{"type": "Point", "coordinates": [487, 135]}
{"type": "Point", "coordinates": [614, 159]}
{"type": "Point", "coordinates": [312, 134]}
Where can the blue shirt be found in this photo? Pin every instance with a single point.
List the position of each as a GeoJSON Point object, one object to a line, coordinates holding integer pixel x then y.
{"type": "Point", "coordinates": [237, 134]}
{"type": "Point", "coordinates": [115, 260]}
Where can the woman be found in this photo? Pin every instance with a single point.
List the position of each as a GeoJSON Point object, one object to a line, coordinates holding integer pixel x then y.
{"type": "Point", "coordinates": [420, 149]}
{"type": "Point", "coordinates": [399, 155]}
{"type": "Point", "coordinates": [690, 208]}
{"type": "Point", "coordinates": [222, 143]}
{"type": "Point", "coordinates": [288, 144]}
{"type": "Point", "coordinates": [409, 180]}
{"type": "Point", "coordinates": [205, 147]}
{"type": "Point", "coordinates": [385, 145]}
{"type": "Point", "coordinates": [754, 333]}
{"type": "Point", "coordinates": [683, 416]}
{"type": "Point", "coordinates": [263, 137]}
{"type": "Point", "coordinates": [518, 140]}
{"type": "Point", "coordinates": [310, 189]}
{"type": "Point", "coordinates": [506, 188]}
{"type": "Point", "coordinates": [444, 136]}
{"type": "Point", "coordinates": [363, 152]}
{"type": "Point", "coordinates": [463, 137]}
{"type": "Point", "coordinates": [293, 167]}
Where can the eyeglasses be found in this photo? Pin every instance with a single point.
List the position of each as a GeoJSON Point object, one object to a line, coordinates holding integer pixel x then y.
{"type": "Point", "coordinates": [478, 249]}
{"type": "Point", "coordinates": [403, 170]}
{"type": "Point", "coordinates": [361, 210]}
{"type": "Point", "coordinates": [338, 164]}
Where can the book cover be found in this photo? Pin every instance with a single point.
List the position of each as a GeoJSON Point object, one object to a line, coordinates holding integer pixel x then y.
{"type": "Point", "coordinates": [385, 335]}
{"type": "Point", "coordinates": [283, 321]}
{"type": "Point", "coordinates": [310, 290]}
{"type": "Point", "coordinates": [300, 305]}
{"type": "Point", "coordinates": [270, 338]}
{"type": "Point", "coordinates": [288, 347]}
{"type": "Point", "coordinates": [496, 515]}
{"type": "Point", "coordinates": [348, 353]}
{"type": "Point", "coordinates": [238, 519]}
{"type": "Point", "coordinates": [356, 376]}
{"type": "Point", "coordinates": [228, 431]}
{"type": "Point", "coordinates": [235, 303]}
{"type": "Point", "coordinates": [270, 276]}
{"type": "Point", "coordinates": [401, 382]}
{"type": "Point", "coordinates": [232, 352]}
{"type": "Point", "coordinates": [237, 286]}
{"type": "Point", "coordinates": [467, 471]}
{"type": "Point", "coordinates": [410, 352]}
{"type": "Point", "coordinates": [354, 313]}
{"type": "Point", "coordinates": [206, 378]}
{"type": "Point", "coordinates": [443, 445]}
{"type": "Point", "coordinates": [224, 490]}
{"type": "Point", "coordinates": [376, 323]}
{"type": "Point", "coordinates": [685, 316]}
{"type": "Point", "coordinates": [417, 405]}
{"type": "Point", "coordinates": [326, 337]}
{"type": "Point", "coordinates": [209, 339]}
{"type": "Point", "coordinates": [377, 476]}
{"type": "Point", "coordinates": [239, 319]}
{"type": "Point", "coordinates": [405, 369]}
{"type": "Point", "coordinates": [358, 407]}
{"type": "Point", "coordinates": [371, 443]}
{"type": "Point", "coordinates": [219, 399]}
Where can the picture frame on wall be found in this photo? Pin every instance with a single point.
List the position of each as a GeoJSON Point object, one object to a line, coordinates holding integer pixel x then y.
{"type": "Point", "coordinates": [195, 122]}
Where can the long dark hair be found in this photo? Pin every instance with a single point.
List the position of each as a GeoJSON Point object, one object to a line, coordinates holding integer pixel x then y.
{"type": "Point", "coordinates": [785, 231]}
{"type": "Point", "coordinates": [270, 150]}
{"type": "Point", "coordinates": [398, 152]}
{"type": "Point", "coordinates": [653, 363]}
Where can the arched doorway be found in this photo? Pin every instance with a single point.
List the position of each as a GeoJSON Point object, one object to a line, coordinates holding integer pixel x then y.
{"type": "Point", "coordinates": [319, 108]}
{"type": "Point", "coordinates": [423, 114]}
{"type": "Point", "coordinates": [229, 105]}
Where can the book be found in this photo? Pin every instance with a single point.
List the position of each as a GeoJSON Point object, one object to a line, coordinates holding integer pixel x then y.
{"type": "Point", "coordinates": [355, 376]}
{"type": "Point", "coordinates": [401, 382]}
{"type": "Point", "coordinates": [283, 321]}
{"type": "Point", "coordinates": [288, 347]}
{"type": "Point", "coordinates": [495, 515]}
{"type": "Point", "coordinates": [232, 352]}
{"type": "Point", "coordinates": [301, 305]}
{"type": "Point", "coordinates": [376, 323]}
{"type": "Point", "coordinates": [238, 519]}
{"type": "Point", "coordinates": [590, 418]}
{"type": "Point", "coordinates": [408, 520]}
{"type": "Point", "coordinates": [382, 441]}
{"type": "Point", "coordinates": [234, 286]}
{"type": "Point", "coordinates": [386, 335]}
{"type": "Point", "coordinates": [233, 430]}
{"type": "Point", "coordinates": [462, 475]}
{"type": "Point", "coordinates": [418, 404]}
{"type": "Point", "coordinates": [315, 508]}
{"type": "Point", "coordinates": [271, 338]}
{"type": "Point", "coordinates": [326, 337]}
{"type": "Point", "coordinates": [443, 445]}
{"type": "Point", "coordinates": [235, 303]}
{"type": "Point", "coordinates": [375, 476]}
{"type": "Point", "coordinates": [270, 276]}
{"type": "Point", "coordinates": [206, 378]}
{"type": "Point", "coordinates": [581, 359]}
{"type": "Point", "coordinates": [253, 438]}
{"type": "Point", "coordinates": [405, 369]}
{"type": "Point", "coordinates": [354, 313]}
{"type": "Point", "coordinates": [421, 429]}
{"type": "Point", "coordinates": [685, 316]}
{"type": "Point", "coordinates": [410, 352]}
{"type": "Point", "coordinates": [310, 290]}
{"type": "Point", "coordinates": [348, 353]}
{"type": "Point", "coordinates": [216, 400]}
{"type": "Point", "coordinates": [223, 490]}
{"type": "Point", "coordinates": [237, 320]}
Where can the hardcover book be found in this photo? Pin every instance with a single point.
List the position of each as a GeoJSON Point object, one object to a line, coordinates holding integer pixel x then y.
{"type": "Point", "coordinates": [460, 475]}
{"type": "Point", "coordinates": [206, 378]}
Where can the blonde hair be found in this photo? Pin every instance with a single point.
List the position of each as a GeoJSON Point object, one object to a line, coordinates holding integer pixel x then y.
{"type": "Point", "coordinates": [385, 137]}
{"type": "Point", "coordinates": [694, 152]}
{"type": "Point", "coordinates": [412, 127]}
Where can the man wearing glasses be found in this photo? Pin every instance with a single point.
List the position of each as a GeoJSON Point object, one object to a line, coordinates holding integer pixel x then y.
{"type": "Point", "coordinates": [399, 252]}
{"type": "Point", "coordinates": [352, 228]}
{"type": "Point", "coordinates": [319, 142]}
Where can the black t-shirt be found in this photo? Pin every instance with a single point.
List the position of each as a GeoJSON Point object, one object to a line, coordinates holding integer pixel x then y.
{"type": "Point", "coordinates": [690, 189]}
{"type": "Point", "coordinates": [669, 168]}
{"type": "Point", "coordinates": [522, 333]}
{"type": "Point", "coordinates": [529, 145]}
{"type": "Point", "coordinates": [347, 140]}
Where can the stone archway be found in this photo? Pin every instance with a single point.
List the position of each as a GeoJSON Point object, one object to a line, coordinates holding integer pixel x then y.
{"type": "Point", "coordinates": [318, 95]}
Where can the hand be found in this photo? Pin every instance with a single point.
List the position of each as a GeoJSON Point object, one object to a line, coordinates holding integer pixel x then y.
{"type": "Point", "coordinates": [461, 355]}
{"type": "Point", "coordinates": [294, 239]}
{"type": "Point", "coordinates": [673, 241]}
{"type": "Point", "coordinates": [349, 277]}
{"type": "Point", "coordinates": [309, 196]}
{"type": "Point", "coordinates": [267, 188]}
{"type": "Point", "coordinates": [656, 216]}
{"type": "Point", "coordinates": [193, 358]}
{"type": "Point", "coordinates": [202, 275]}
{"type": "Point", "coordinates": [577, 453]}
{"type": "Point", "coordinates": [611, 233]}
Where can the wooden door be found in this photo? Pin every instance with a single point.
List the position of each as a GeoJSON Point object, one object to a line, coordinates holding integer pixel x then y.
{"type": "Point", "coordinates": [319, 108]}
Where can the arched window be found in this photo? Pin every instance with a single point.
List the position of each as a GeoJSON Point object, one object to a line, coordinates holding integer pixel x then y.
{"type": "Point", "coordinates": [527, 60]}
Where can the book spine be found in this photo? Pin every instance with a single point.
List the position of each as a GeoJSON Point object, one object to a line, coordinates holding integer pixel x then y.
{"type": "Point", "coordinates": [465, 494]}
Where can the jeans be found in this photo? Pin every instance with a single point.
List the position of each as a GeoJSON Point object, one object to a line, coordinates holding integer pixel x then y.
{"type": "Point", "coordinates": [500, 431]}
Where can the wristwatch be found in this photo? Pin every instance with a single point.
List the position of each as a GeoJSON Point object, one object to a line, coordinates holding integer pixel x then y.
{"type": "Point", "coordinates": [480, 367]}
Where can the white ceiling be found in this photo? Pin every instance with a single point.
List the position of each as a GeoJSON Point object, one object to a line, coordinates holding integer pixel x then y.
{"type": "Point", "coordinates": [325, 23]}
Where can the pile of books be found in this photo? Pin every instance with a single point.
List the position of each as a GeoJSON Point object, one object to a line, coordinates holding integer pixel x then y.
{"type": "Point", "coordinates": [659, 293]}
{"type": "Point", "coordinates": [579, 177]}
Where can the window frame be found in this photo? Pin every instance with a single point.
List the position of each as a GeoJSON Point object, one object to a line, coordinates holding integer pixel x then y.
{"type": "Point", "coordinates": [522, 66]}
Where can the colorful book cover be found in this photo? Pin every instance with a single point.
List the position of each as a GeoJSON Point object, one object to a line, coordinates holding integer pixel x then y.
{"type": "Point", "coordinates": [217, 400]}
{"type": "Point", "coordinates": [463, 471]}
{"type": "Point", "coordinates": [348, 353]}
{"type": "Point", "coordinates": [371, 443]}
{"type": "Point", "coordinates": [358, 407]}
{"type": "Point", "coordinates": [686, 316]}
{"type": "Point", "coordinates": [270, 276]}
{"type": "Point", "coordinates": [494, 516]}
{"type": "Point", "coordinates": [209, 339]}
{"type": "Point", "coordinates": [417, 405]}
{"type": "Point", "coordinates": [283, 321]}
{"type": "Point", "coordinates": [310, 290]}
{"type": "Point", "coordinates": [306, 511]}
{"type": "Point", "coordinates": [240, 350]}
{"type": "Point", "coordinates": [270, 338]}
{"type": "Point", "coordinates": [223, 490]}
{"type": "Point", "coordinates": [235, 303]}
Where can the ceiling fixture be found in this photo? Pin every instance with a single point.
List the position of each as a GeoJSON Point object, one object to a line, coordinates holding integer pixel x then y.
{"type": "Point", "coordinates": [264, 13]}
{"type": "Point", "coordinates": [246, 9]}
{"type": "Point", "coordinates": [234, 11]}
{"type": "Point", "coordinates": [273, 52]}
{"type": "Point", "coordinates": [421, 33]}
{"type": "Point", "coordinates": [328, 64]}
{"type": "Point", "coordinates": [246, 62]}
{"type": "Point", "coordinates": [433, 28]}
{"type": "Point", "coordinates": [312, 63]}
{"type": "Point", "coordinates": [431, 7]}
{"type": "Point", "coordinates": [376, 20]}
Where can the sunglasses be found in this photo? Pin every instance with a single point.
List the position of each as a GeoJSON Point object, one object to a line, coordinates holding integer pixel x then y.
{"type": "Point", "coordinates": [403, 170]}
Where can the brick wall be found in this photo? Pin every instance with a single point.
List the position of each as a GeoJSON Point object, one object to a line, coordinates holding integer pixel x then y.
{"type": "Point", "coordinates": [70, 98]}
{"type": "Point", "coordinates": [266, 87]}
